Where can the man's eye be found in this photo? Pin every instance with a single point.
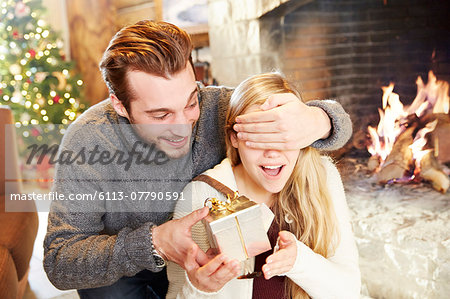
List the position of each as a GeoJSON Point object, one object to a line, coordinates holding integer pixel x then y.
{"type": "Point", "coordinates": [161, 117]}
{"type": "Point", "coordinates": [192, 105]}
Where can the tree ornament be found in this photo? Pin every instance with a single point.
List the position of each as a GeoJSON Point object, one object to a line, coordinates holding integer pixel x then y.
{"type": "Point", "coordinates": [32, 53]}
{"type": "Point", "coordinates": [40, 76]}
{"type": "Point", "coordinates": [15, 69]}
{"type": "Point", "coordinates": [61, 80]}
{"type": "Point", "coordinates": [25, 117]}
{"type": "Point", "coordinates": [29, 27]}
{"type": "Point", "coordinates": [21, 10]}
{"type": "Point", "coordinates": [16, 97]}
{"type": "Point", "coordinates": [35, 132]}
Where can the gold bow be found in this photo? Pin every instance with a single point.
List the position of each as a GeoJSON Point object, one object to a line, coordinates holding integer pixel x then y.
{"type": "Point", "coordinates": [218, 205]}
{"type": "Point", "coordinates": [220, 208]}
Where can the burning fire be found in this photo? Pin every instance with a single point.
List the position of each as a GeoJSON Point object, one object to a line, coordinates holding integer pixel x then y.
{"type": "Point", "coordinates": [395, 118]}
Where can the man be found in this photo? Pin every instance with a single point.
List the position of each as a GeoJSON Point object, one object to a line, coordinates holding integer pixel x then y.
{"type": "Point", "coordinates": [115, 248]}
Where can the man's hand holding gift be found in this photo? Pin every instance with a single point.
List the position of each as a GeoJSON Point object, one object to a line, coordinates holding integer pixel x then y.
{"type": "Point", "coordinates": [173, 239]}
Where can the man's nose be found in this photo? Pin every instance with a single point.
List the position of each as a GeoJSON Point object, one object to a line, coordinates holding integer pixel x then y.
{"type": "Point", "coordinates": [183, 119]}
{"type": "Point", "coordinates": [182, 125]}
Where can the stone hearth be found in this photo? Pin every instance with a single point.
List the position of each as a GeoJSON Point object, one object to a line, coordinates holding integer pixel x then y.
{"type": "Point", "coordinates": [402, 233]}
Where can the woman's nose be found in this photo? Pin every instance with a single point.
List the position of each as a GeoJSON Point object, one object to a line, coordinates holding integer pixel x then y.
{"type": "Point", "coordinates": [271, 153]}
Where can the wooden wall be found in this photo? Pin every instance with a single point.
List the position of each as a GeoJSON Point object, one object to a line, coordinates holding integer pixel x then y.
{"type": "Point", "coordinates": [132, 11]}
{"type": "Point", "coordinates": [92, 25]}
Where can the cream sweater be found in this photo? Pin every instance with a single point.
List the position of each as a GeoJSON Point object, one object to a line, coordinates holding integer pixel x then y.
{"type": "Point", "coordinates": [335, 277]}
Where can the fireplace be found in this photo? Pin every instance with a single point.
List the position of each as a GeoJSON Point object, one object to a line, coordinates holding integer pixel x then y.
{"type": "Point", "coordinates": [343, 49]}
{"type": "Point", "coordinates": [348, 50]}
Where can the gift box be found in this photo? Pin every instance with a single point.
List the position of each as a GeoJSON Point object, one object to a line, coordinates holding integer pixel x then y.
{"type": "Point", "coordinates": [238, 227]}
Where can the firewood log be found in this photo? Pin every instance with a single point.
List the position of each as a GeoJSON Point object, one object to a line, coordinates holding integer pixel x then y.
{"type": "Point", "coordinates": [400, 159]}
{"type": "Point", "coordinates": [441, 138]}
{"type": "Point", "coordinates": [431, 171]}
{"type": "Point", "coordinates": [360, 140]}
{"type": "Point", "coordinates": [373, 162]}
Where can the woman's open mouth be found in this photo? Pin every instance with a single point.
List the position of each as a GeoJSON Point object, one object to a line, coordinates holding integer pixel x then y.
{"type": "Point", "coordinates": [272, 172]}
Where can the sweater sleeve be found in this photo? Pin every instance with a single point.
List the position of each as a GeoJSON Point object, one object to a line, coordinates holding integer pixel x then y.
{"type": "Point", "coordinates": [341, 125]}
{"type": "Point", "coordinates": [337, 276]}
{"type": "Point", "coordinates": [78, 254]}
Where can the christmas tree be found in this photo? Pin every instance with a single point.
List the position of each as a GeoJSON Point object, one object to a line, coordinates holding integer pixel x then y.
{"type": "Point", "coordinates": [36, 81]}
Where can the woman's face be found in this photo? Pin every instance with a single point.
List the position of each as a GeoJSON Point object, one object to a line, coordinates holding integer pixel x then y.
{"type": "Point", "coordinates": [270, 169]}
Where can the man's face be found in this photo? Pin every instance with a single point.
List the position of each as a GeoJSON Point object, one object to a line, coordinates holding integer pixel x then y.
{"type": "Point", "coordinates": [165, 110]}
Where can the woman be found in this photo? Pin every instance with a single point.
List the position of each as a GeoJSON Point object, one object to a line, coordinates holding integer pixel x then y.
{"type": "Point", "coordinates": [317, 256]}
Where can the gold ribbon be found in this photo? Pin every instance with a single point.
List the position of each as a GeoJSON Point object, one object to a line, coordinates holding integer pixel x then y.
{"type": "Point", "coordinates": [218, 205]}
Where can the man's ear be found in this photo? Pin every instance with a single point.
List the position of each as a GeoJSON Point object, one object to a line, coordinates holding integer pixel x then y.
{"type": "Point", "coordinates": [118, 106]}
{"type": "Point", "coordinates": [234, 140]}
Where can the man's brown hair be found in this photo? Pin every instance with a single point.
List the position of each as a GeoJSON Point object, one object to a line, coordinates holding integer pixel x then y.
{"type": "Point", "coordinates": [157, 48]}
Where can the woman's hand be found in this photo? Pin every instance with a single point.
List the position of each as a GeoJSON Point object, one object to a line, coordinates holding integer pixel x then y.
{"type": "Point", "coordinates": [212, 276]}
{"type": "Point", "coordinates": [284, 259]}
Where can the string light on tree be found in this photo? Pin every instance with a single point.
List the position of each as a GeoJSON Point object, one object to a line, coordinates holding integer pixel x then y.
{"type": "Point", "coordinates": [35, 79]}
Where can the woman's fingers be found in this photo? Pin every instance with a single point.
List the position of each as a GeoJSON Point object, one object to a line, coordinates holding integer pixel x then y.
{"type": "Point", "coordinates": [283, 254]}
{"type": "Point", "coordinates": [283, 260]}
{"type": "Point", "coordinates": [286, 238]}
{"type": "Point", "coordinates": [274, 269]}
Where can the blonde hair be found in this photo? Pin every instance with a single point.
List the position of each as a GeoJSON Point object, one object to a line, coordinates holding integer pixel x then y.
{"type": "Point", "coordinates": [304, 206]}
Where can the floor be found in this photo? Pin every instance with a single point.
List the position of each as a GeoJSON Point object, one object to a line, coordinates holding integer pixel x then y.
{"type": "Point", "coordinates": [39, 285]}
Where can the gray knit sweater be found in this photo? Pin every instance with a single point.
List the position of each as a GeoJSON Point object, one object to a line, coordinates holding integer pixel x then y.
{"type": "Point", "coordinates": [94, 243]}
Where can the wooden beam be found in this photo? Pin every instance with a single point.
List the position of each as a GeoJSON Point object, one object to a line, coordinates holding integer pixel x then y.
{"type": "Point", "coordinates": [91, 27]}
{"type": "Point", "coordinates": [158, 10]}
{"type": "Point", "coordinates": [200, 40]}
{"type": "Point", "coordinates": [132, 14]}
{"type": "Point", "coordinates": [127, 3]}
{"type": "Point", "coordinates": [199, 35]}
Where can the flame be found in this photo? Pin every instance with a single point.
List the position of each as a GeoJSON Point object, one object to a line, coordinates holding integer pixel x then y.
{"type": "Point", "coordinates": [431, 98]}
{"type": "Point", "coordinates": [434, 94]}
{"type": "Point", "coordinates": [420, 141]}
{"type": "Point", "coordinates": [389, 127]}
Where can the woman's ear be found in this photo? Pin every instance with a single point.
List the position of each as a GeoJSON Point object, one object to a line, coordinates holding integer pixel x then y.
{"type": "Point", "coordinates": [234, 139]}
{"type": "Point", "coordinates": [118, 106]}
